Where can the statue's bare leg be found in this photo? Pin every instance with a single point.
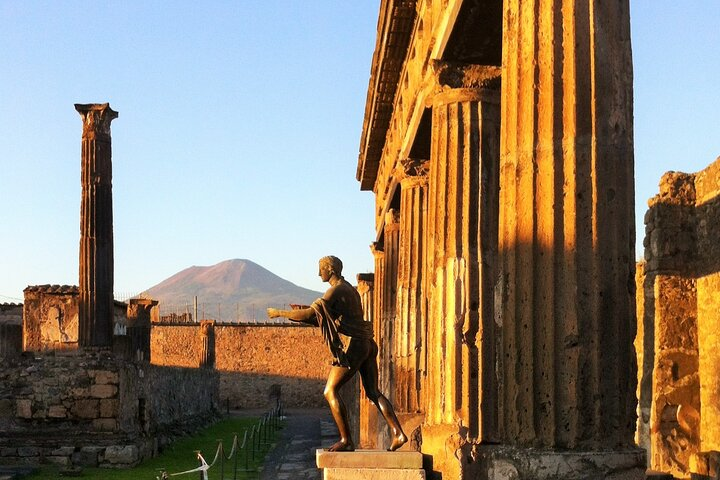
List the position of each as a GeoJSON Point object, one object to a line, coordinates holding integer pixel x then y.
{"type": "Point", "coordinates": [369, 374]}
{"type": "Point", "coordinates": [337, 378]}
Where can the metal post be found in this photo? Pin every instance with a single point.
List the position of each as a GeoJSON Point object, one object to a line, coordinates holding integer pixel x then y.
{"type": "Point", "coordinates": [222, 459]}
{"type": "Point", "coordinates": [197, 452]}
{"type": "Point", "coordinates": [235, 460]}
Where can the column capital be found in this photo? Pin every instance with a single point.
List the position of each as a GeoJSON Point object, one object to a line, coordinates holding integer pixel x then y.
{"type": "Point", "coordinates": [365, 279]}
{"type": "Point", "coordinates": [377, 249]}
{"type": "Point", "coordinates": [462, 82]}
{"type": "Point", "coordinates": [96, 119]}
{"type": "Point", "coordinates": [465, 75]}
{"type": "Point", "coordinates": [392, 218]}
{"type": "Point", "coordinates": [413, 172]}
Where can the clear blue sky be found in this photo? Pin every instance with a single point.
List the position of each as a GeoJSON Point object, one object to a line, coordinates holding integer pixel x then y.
{"type": "Point", "coordinates": [239, 129]}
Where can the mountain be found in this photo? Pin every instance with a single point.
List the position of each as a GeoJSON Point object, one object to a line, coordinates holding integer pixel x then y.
{"type": "Point", "coordinates": [239, 287]}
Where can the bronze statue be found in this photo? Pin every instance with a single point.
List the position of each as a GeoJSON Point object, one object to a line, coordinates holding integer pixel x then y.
{"type": "Point", "coordinates": [339, 312]}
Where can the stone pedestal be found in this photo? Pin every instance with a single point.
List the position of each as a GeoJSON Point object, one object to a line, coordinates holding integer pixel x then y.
{"type": "Point", "coordinates": [370, 465]}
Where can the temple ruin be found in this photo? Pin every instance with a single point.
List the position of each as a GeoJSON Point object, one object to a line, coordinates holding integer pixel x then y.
{"type": "Point", "coordinates": [497, 141]}
{"type": "Point", "coordinates": [679, 321]}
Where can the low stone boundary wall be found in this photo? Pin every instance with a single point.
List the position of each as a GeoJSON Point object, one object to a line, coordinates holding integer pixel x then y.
{"type": "Point", "coordinates": [91, 408]}
{"type": "Point", "coordinates": [254, 362]}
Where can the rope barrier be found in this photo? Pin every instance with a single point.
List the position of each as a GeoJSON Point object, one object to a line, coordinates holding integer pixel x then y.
{"type": "Point", "coordinates": [260, 435]}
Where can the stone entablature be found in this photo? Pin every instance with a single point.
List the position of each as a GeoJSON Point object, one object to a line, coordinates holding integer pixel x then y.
{"type": "Point", "coordinates": [680, 306]}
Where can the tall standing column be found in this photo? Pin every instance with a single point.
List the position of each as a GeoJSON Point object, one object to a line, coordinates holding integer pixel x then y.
{"type": "Point", "coordinates": [388, 319]}
{"type": "Point", "coordinates": [461, 246]}
{"type": "Point", "coordinates": [567, 292]}
{"type": "Point", "coordinates": [409, 333]}
{"type": "Point", "coordinates": [367, 411]}
{"type": "Point", "coordinates": [369, 414]}
{"type": "Point", "coordinates": [96, 227]}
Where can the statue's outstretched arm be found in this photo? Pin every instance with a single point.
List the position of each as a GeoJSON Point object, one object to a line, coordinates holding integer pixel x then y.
{"type": "Point", "coordinates": [305, 315]}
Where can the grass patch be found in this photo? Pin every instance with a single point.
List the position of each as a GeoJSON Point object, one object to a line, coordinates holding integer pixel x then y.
{"type": "Point", "coordinates": [180, 456]}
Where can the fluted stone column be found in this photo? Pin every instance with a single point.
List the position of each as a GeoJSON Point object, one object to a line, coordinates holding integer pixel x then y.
{"type": "Point", "coordinates": [365, 287]}
{"type": "Point", "coordinates": [461, 246]}
{"type": "Point", "coordinates": [566, 298]}
{"type": "Point", "coordinates": [96, 228]}
{"type": "Point", "coordinates": [367, 417]}
{"type": "Point", "coordinates": [410, 343]}
{"type": "Point", "coordinates": [368, 411]}
{"type": "Point", "coordinates": [388, 289]}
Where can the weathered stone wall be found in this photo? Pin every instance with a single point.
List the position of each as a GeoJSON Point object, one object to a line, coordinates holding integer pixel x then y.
{"type": "Point", "coordinates": [252, 361]}
{"type": "Point", "coordinates": [681, 318]}
{"type": "Point", "coordinates": [11, 313]}
{"type": "Point", "coordinates": [10, 329]}
{"type": "Point", "coordinates": [50, 318]}
{"type": "Point", "coordinates": [90, 408]}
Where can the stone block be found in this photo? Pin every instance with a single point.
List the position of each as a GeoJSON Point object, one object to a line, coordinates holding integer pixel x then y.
{"type": "Point", "coordinates": [57, 411]}
{"type": "Point", "coordinates": [122, 454]}
{"type": "Point", "coordinates": [108, 407]}
{"type": "Point", "coordinates": [705, 465]}
{"type": "Point", "coordinates": [103, 391]}
{"type": "Point", "coordinates": [7, 409]}
{"type": "Point", "coordinates": [63, 451]}
{"type": "Point", "coordinates": [512, 463]}
{"type": "Point", "coordinates": [104, 377]}
{"type": "Point", "coordinates": [23, 407]}
{"type": "Point", "coordinates": [79, 392]}
{"type": "Point", "coordinates": [8, 452]}
{"type": "Point", "coordinates": [654, 475]}
{"type": "Point", "coordinates": [104, 424]}
{"type": "Point", "coordinates": [86, 408]}
{"type": "Point", "coordinates": [87, 456]}
{"type": "Point", "coordinates": [373, 474]}
{"type": "Point", "coordinates": [28, 451]}
{"type": "Point", "coordinates": [379, 459]}
{"type": "Point", "coordinates": [59, 460]}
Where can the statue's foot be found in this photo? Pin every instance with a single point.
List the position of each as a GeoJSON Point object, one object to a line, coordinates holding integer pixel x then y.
{"type": "Point", "coordinates": [342, 446]}
{"type": "Point", "coordinates": [398, 442]}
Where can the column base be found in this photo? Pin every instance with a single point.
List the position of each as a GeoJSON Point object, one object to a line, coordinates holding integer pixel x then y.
{"type": "Point", "coordinates": [511, 463]}
{"type": "Point", "coordinates": [454, 457]}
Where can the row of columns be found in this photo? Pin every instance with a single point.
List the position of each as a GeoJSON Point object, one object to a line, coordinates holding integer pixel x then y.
{"type": "Point", "coordinates": [504, 289]}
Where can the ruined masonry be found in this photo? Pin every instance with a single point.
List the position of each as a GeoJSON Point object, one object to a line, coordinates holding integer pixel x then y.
{"type": "Point", "coordinates": [679, 312]}
{"type": "Point", "coordinates": [81, 390]}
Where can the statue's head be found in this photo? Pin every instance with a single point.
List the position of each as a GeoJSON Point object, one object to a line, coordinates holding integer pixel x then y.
{"type": "Point", "coordinates": [332, 263]}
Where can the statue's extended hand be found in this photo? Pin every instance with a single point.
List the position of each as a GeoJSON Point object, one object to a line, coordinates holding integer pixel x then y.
{"type": "Point", "coordinates": [273, 312]}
